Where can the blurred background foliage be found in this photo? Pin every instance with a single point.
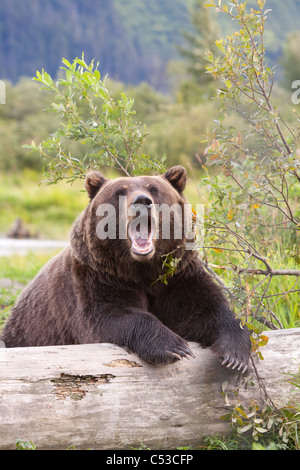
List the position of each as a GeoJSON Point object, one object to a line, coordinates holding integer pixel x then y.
{"type": "Point", "coordinates": [133, 40]}
{"type": "Point", "coordinates": [152, 51]}
{"type": "Point", "coordinates": [162, 69]}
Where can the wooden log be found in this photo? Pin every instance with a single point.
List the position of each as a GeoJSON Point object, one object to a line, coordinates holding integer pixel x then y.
{"type": "Point", "coordinates": [101, 397]}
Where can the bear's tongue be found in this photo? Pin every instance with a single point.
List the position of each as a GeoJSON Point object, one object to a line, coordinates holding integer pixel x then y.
{"type": "Point", "coordinates": [141, 240]}
{"type": "Point", "coordinates": [142, 236]}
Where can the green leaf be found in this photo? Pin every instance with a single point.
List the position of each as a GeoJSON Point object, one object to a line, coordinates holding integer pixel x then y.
{"type": "Point", "coordinates": [69, 76]}
{"type": "Point", "coordinates": [260, 429]}
{"type": "Point", "coordinates": [224, 386]}
{"type": "Point", "coordinates": [67, 63]}
{"type": "Point", "coordinates": [97, 75]}
{"type": "Point", "coordinates": [245, 428]}
{"type": "Point", "coordinates": [242, 412]}
{"type": "Point", "coordinates": [47, 79]}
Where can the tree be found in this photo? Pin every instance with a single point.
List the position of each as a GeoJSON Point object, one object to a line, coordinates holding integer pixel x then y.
{"type": "Point", "coordinates": [253, 220]}
{"type": "Point", "coordinates": [199, 41]}
{"type": "Point", "coordinates": [89, 115]}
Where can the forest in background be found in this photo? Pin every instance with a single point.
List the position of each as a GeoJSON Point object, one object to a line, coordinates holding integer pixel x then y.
{"type": "Point", "coordinates": [133, 40]}
{"type": "Point", "coordinates": [138, 44]}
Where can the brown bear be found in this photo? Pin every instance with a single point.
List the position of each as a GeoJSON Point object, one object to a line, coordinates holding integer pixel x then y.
{"type": "Point", "coordinates": [100, 288]}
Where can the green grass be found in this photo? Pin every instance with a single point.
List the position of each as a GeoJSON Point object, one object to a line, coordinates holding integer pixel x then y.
{"type": "Point", "coordinates": [20, 270]}
{"type": "Point", "coordinates": [48, 211]}
{"type": "Point", "coordinates": [7, 300]}
{"type": "Point", "coordinates": [285, 307]}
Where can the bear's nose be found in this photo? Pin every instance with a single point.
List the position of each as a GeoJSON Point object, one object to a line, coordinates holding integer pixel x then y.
{"type": "Point", "coordinates": [142, 199]}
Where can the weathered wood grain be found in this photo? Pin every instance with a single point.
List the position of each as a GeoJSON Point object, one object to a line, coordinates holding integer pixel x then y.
{"type": "Point", "coordinates": [101, 397]}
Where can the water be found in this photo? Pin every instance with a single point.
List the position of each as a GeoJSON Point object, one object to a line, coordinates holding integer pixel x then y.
{"type": "Point", "coordinates": [11, 246]}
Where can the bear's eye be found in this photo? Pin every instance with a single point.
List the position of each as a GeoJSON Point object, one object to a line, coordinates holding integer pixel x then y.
{"type": "Point", "coordinates": [120, 192]}
{"type": "Point", "coordinates": [153, 190]}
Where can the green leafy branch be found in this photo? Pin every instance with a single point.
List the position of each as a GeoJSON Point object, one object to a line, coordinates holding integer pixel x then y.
{"type": "Point", "coordinates": [169, 267]}
{"type": "Point", "coordinates": [90, 115]}
{"type": "Point", "coordinates": [256, 177]}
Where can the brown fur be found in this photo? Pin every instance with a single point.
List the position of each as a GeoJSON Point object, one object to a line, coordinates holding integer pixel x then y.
{"type": "Point", "coordinates": [97, 291]}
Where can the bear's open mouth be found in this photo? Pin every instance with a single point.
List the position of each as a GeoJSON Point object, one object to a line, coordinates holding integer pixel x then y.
{"type": "Point", "coordinates": [141, 236]}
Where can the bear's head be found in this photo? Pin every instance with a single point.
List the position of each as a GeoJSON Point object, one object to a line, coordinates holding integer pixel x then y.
{"type": "Point", "coordinates": [137, 218]}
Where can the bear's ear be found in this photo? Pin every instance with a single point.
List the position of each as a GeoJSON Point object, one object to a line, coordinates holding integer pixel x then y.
{"type": "Point", "coordinates": [177, 177]}
{"type": "Point", "coordinates": [93, 182]}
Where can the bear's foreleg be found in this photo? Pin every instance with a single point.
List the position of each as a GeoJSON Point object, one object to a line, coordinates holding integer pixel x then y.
{"type": "Point", "coordinates": [194, 306]}
{"type": "Point", "coordinates": [140, 332]}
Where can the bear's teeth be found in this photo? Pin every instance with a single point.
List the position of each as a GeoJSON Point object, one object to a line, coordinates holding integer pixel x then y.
{"type": "Point", "coordinates": [142, 242]}
{"type": "Point", "coordinates": [141, 246]}
{"type": "Point", "coordinates": [141, 239]}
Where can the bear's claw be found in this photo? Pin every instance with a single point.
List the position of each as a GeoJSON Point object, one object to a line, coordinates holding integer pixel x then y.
{"type": "Point", "coordinates": [178, 354]}
{"type": "Point", "coordinates": [184, 353]}
{"type": "Point", "coordinates": [231, 362]}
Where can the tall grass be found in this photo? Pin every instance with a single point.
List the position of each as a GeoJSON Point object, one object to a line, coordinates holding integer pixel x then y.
{"type": "Point", "coordinates": [47, 211]}
{"type": "Point", "coordinates": [284, 304]}
{"type": "Point", "coordinates": [20, 270]}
